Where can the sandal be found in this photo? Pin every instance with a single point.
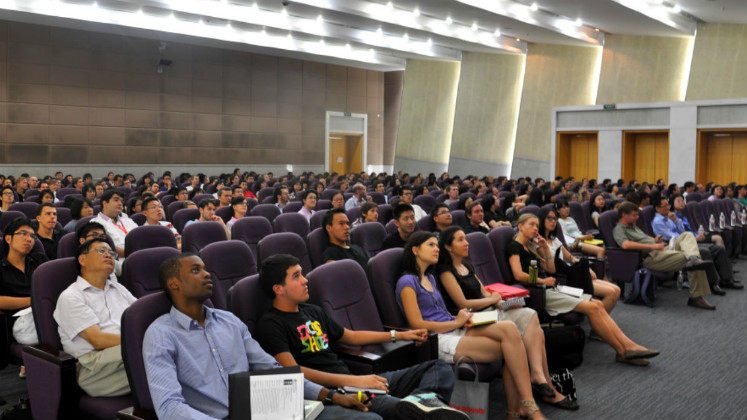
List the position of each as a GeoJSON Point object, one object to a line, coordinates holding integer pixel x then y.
{"type": "Point", "coordinates": [531, 407]}
{"type": "Point", "coordinates": [513, 415]}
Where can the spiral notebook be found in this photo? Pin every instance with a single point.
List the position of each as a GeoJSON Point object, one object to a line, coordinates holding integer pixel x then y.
{"type": "Point", "coordinates": [512, 296]}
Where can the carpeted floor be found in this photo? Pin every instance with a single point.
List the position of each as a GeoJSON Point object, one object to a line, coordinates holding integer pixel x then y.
{"type": "Point", "coordinates": [700, 374]}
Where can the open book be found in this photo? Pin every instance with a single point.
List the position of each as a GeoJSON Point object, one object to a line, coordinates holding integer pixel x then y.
{"type": "Point", "coordinates": [484, 317]}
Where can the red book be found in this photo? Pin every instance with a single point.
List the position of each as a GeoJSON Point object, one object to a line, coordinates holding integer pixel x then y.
{"type": "Point", "coordinates": [506, 291]}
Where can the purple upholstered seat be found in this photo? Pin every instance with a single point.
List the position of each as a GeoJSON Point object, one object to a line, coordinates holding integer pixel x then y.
{"type": "Point", "coordinates": [8, 216]}
{"type": "Point", "coordinates": [329, 193]}
{"type": "Point", "coordinates": [182, 216]}
{"type": "Point", "coordinates": [292, 222]}
{"type": "Point", "coordinates": [322, 204]}
{"type": "Point", "coordinates": [251, 230]}
{"type": "Point", "coordinates": [385, 213]}
{"type": "Point", "coordinates": [248, 301]}
{"type": "Point", "coordinates": [227, 262]}
{"type": "Point", "coordinates": [268, 211]}
{"type": "Point", "coordinates": [315, 244]}
{"type": "Point", "coordinates": [316, 219]}
{"type": "Point", "coordinates": [64, 216]}
{"type": "Point", "coordinates": [149, 236]}
{"type": "Point", "coordinates": [529, 209]}
{"type": "Point", "coordinates": [353, 214]}
{"type": "Point", "coordinates": [284, 243]}
{"type": "Point", "coordinates": [28, 209]}
{"type": "Point", "coordinates": [426, 202]}
{"type": "Point", "coordinates": [293, 206]}
{"type": "Point", "coordinates": [140, 269]}
{"type": "Point", "coordinates": [368, 236]}
{"type": "Point", "coordinates": [225, 213]}
{"type": "Point", "coordinates": [377, 197]}
{"type": "Point", "coordinates": [198, 235]}
{"type": "Point", "coordinates": [264, 193]}
{"type": "Point", "coordinates": [172, 208]}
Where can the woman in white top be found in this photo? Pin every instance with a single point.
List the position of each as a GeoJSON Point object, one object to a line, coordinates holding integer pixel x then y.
{"type": "Point", "coordinates": [309, 202]}
{"type": "Point", "coordinates": [573, 235]}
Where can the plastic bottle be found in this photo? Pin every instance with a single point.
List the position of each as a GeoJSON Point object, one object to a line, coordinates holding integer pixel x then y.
{"type": "Point", "coordinates": [711, 223]}
{"type": "Point", "coordinates": [680, 280]}
{"type": "Point", "coordinates": [733, 218]}
{"type": "Point", "coordinates": [721, 220]}
{"type": "Point", "coordinates": [533, 272]}
{"type": "Point", "coordinates": [743, 215]}
{"type": "Point", "coordinates": [701, 230]}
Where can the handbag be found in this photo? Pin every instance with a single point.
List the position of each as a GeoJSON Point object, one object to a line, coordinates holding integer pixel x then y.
{"type": "Point", "coordinates": [577, 274]}
{"type": "Point", "coordinates": [564, 382]}
{"type": "Point", "coordinates": [470, 397]}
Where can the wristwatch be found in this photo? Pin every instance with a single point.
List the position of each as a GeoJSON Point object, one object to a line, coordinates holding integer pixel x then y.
{"type": "Point", "coordinates": [328, 398]}
{"type": "Point", "coordinates": [394, 335]}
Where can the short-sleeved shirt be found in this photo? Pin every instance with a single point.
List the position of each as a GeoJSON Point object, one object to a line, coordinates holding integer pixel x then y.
{"type": "Point", "coordinates": [17, 283]}
{"type": "Point", "coordinates": [393, 240]}
{"type": "Point", "coordinates": [116, 230]}
{"type": "Point", "coordinates": [50, 245]}
{"type": "Point", "coordinates": [431, 304]}
{"type": "Point", "coordinates": [525, 257]}
{"type": "Point", "coordinates": [308, 335]}
{"type": "Point", "coordinates": [82, 305]}
{"type": "Point", "coordinates": [337, 253]}
{"type": "Point", "coordinates": [623, 233]}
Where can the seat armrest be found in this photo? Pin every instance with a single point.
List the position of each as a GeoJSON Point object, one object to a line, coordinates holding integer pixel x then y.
{"type": "Point", "coordinates": [132, 413]}
{"type": "Point", "coordinates": [378, 358]}
{"type": "Point", "coordinates": [52, 382]}
{"type": "Point", "coordinates": [426, 351]}
{"type": "Point", "coordinates": [49, 354]}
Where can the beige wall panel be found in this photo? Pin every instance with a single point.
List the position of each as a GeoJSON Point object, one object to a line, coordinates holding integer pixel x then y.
{"type": "Point", "coordinates": [487, 107]}
{"type": "Point", "coordinates": [427, 112]}
{"type": "Point", "coordinates": [642, 69]}
{"type": "Point", "coordinates": [719, 66]}
{"type": "Point", "coordinates": [556, 75]}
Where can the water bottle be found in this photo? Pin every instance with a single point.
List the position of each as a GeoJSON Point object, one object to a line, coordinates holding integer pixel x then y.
{"type": "Point", "coordinates": [733, 218]}
{"type": "Point", "coordinates": [701, 231]}
{"type": "Point", "coordinates": [721, 220]}
{"type": "Point", "coordinates": [743, 216]}
{"type": "Point", "coordinates": [533, 272]}
{"type": "Point", "coordinates": [711, 223]}
{"type": "Point", "coordinates": [680, 280]}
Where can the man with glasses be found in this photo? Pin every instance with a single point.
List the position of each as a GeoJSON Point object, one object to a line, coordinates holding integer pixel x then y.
{"type": "Point", "coordinates": [441, 216]}
{"type": "Point", "coordinates": [657, 257]}
{"type": "Point", "coordinates": [153, 212]}
{"type": "Point", "coordinates": [47, 230]}
{"type": "Point", "coordinates": [406, 196]}
{"type": "Point", "coordinates": [7, 198]}
{"type": "Point", "coordinates": [88, 315]}
{"type": "Point", "coordinates": [113, 218]}
{"type": "Point", "coordinates": [16, 270]}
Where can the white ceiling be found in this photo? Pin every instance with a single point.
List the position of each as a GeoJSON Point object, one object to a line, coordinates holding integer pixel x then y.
{"type": "Point", "coordinates": [378, 34]}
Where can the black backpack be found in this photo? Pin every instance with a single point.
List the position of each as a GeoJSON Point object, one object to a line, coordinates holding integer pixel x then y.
{"type": "Point", "coordinates": [644, 289]}
{"type": "Point", "coordinates": [564, 345]}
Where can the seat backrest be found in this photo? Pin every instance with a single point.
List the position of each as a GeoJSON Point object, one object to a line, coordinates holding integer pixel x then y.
{"type": "Point", "coordinates": [227, 262]}
{"type": "Point", "coordinates": [135, 322]}
{"type": "Point", "coordinates": [390, 226]}
{"type": "Point", "coordinates": [293, 206]}
{"type": "Point", "coordinates": [645, 220]}
{"type": "Point", "coordinates": [168, 199]}
{"type": "Point", "coordinates": [328, 193]}
{"type": "Point", "coordinates": [268, 211]}
{"type": "Point", "coordinates": [377, 197]}
{"type": "Point", "coordinates": [9, 216]}
{"type": "Point", "coordinates": [483, 258]}
{"type": "Point", "coordinates": [64, 216]}
{"type": "Point", "coordinates": [264, 193]}
{"type": "Point", "coordinates": [529, 209]}
{"type": "Point", "coordinates": [316, 242]}
{"type": "Point", "coordinates": [584, 220]}
{"type": "Point", "coordinates": [316, 219]}
{"type": "Point", "coordinates": [182, 216]}
{"type": "Point", "coordinates": [577, 215]}
{"type": "Point", "coordinates": [149, 236]}
{"type": "Point", "coordinates": [426, 223]}
{"type": "Point", "coordinates": [28, 209]}
{"type": "Point", "coordinates": [140, 269]}
{"type": "Point", "coordinates": [385, 213]}
{"type": "Point", "coordinates": [292, 222]}
{"type": "Point", "coordinates": [67, 245]}
{"type": "Point", "coordinates": [82, 221]}
{"type": "Point", "coordinates": [172, 208]}
{"type": "Point", "coordinates": [199, 234]}
{"type": "Point", "coordinates": [65, 191]}
{"type": "Point", "coordinates": [284, 243]}
{"type": "Point", "coordinates": [49, 280]}
{"type": "Point", "coordinates": [607, 222]}
{"type": "Point", "coordinates": [383, 271]}
{"type": "Point", "coordinates": [458, 218]}
{"type": "Point", "coordinates": [368, 236]}
{"type": "Point", "coordinates": [342, 290]}
{"type": "Point", "coordinates": [499, 238]}
{"type": "Point", "coordinates": [225, 213]}
{"type": "Point", "coordinates": [248, 301]}
{"type": "Point", "coordinates": [323, 204]}
{"type": "Point", "coordinates": [199, 197]}
{"type": "Point", "coordinates": [251, 230]}
{"type": "Point", "coordinates": [353, 214]}
{"type": "Point", "coordinates": [426, 201]}
{"type": "Point", "coordinates": [693, 197]}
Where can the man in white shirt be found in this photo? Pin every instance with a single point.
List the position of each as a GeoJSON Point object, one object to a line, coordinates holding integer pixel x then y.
{"type": "Point", "coordinates": [153, 212]}
{"type": "Point", "coordinates": [88, 315]}
{"type": "Point", "coordinates": [113, 219]}
{"type": "Point", "coordinates": [406, 196]}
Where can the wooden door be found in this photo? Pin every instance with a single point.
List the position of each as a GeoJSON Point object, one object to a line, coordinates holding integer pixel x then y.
{"type": "Point", "coordinates": [645, 156]}
{"type": "Point", "coordinates": [577, 155]}
{"type": "Point", "coordinates": [346, 153]}
{"type": "Point", "coordinates": [722, 156]}
{"type": "Point", "coordinates": [337, 154]}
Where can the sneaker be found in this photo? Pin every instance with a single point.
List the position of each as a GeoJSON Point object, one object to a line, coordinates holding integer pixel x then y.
{"type": "Point", "coordinates": [427, 407]}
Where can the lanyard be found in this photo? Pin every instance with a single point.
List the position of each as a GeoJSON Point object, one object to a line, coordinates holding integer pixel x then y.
{"type": "Point", "coordinates": [120, 226]}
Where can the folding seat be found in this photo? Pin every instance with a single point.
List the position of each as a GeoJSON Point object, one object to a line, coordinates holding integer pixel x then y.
{"type": "Point", "coordinates": [28, 209]}
{"type": "Point", "coordinates": [468, 194]}
{"type": "Point", "coordinates": [342, 290]}
{"type": "Point", "coordinates": [368, 236]}
{"type": "Point", "coordinates": [622, 263]}
{"type": "Point", "coordinates": [454, 205]}
{"type": "Point", "coordinates": [8, 216]}
{"type": "Point", "coordinates": [426, 202]}
{"type": "Point", "coordinates": [269, 211]}
{"type": "Point", "coordinates": [64, 216]}
{"type": "Point", "coordinates": [328, 193]}
{"type": "Point", "coordinates": [224, 213]}
{"type": "Point", "coordinates": [199, 197]}
{"type": "Point", "coordinates": [168, 199]}
{"type": "Point", "coordinates": [458, 218]}
{"type": "Point", "coordinates": [353, 214]}
{"type": "Point", "coordinates": [585, 222]}
{"type": "Point", "coordinates": [323, 204]}
{"type": "Point", "coordinates": [293, 206]}
{"type": "Point", "coordinates": [435, 192]}
{"type": "Point", "coordinates": [316, 219]}
{"type": "Point", "coordinates": [251, 230]}
{"type": "Point", "coordinates": [377, 197]}
{"type": "Point", "coordinates": [248, 301]}
{"type": "Point", "coordinates": [284, 243]}
{"type": "Point", "coordinates": [172, 208]}
{"type": "Point", "coordinates": [138, 218]}
{"type": "Point", "coordinates": [645, 220]}
{"type": "Point", "coordinates": [182, 216]}
{"type": "Point", "coordinates": [264, 193]}
{"type": "Point", "coordinates": [426, 223]}
{"type": "Point", "coordinates": [82, 221]}
{"type": "Point", "coordinates": [385, 213]}
{"type": "Point", "coordinates": [529, 209]}
{"type": "Point", "coordinates": [390, 226]}
{"type": "Point", "coordinates": [197, 235]}
{"type": "Point", "coordinates": [149, 236]}
{"type": "Point", "coordinates": [31, 192]}
{"type": "Point", "coordinates": [383, 271]}
{"type": "Point", "coordinates": [63, 192]}
{"type": "Point", "coordinates": [227, 262]}
{"type": "Point", "coordinates": [126, 190]}
{"type": "Point", "coordinates": [140, 269]}
{"type": "Point", "coordinates": [693, 197]}
{"type": "Point", "coordinates": [292, 222]}
{"type": "Point", "coordinates": [51, 373]}
{"type": "Point", "coordinates": [268, 200]}
{"type": "Point", "coordinates": [316, 242]}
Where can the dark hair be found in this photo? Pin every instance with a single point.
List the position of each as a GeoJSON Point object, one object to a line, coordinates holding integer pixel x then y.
{"type": "Point", "coordinates": [689, 184]}
{"type": "Point", "coordinates": [672, 198]}
{"type": "Point", "coordinates": [330, 216]}
{"type": "Point", "coordinates": [147, 200]}
{"type": "Point", "coordinates": [178, 190]}
{"type": "Point", "coordinates": [434, 212]}
{"type": "Point", "coordinates": [409, 261]}
{"type": "Point", "coordinates": [84, 248]}
{"type": "Point", "coordinates": [560, 203]}
{"type": "Point", "coordinates": [488, 200]}
{"type": "Point", "coordinates": [447, 238]}
{"type": "Point", "coordinates": [468, 210]}
{"type": "Point", "coordinates": [536, 197]}
{"type": "Point", "coordinates": [508, 199]}
{"type": "Point", "coordinates": [401, 208]}
{"type": "Point", "coordinates": [307, 192]}
{"type": "Point", "coordinates": [462, 203]}
{"type": "Point", "coordinates": [592, 207]}
{"type": "Point", "coordinates": [278, 191]}
{"type": "Point", "coordinates": [86, 228]}
{"type": "Point", "coordinates": [44, 192]}
{"type": "Point", "coordinates": [109, 193]}
{"type": "Point", "coordinates": [235, 201]}
{"type": "Point", "coordinates": [627, 208]}
{"type": "Point", "coordinates": [273, 271]}
{"type": "Point", "coordinates": [170, 268]}
{"type": "Point", "coordinates": [40, 208]}
{"type": "Point", "coordinates": [206, 202]}
{"type": "Point", "coordinates": [77, 206]}
{"type": "Point", "coordinates": [220, 191]}
{"type": "Point", "coordinates": [542, 215]}
{"type": "Point", "coordinates": [13, 227]}
{"type": "Point", "coordinates": [368, 206]}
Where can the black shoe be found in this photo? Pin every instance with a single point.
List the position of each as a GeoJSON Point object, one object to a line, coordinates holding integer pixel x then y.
{"type": "Point", "coordinates": [543, 390]}
{"type": "Point", "coordinates": [731, 284]}
{"type": "Point", "coordinates": [716, 290]}
{"type": "Point", "coordinates": [701, 303]}
{"type": "Point", "coordinates": [694, 264]}
{"type": "Point", "coordinates": [564, 404]}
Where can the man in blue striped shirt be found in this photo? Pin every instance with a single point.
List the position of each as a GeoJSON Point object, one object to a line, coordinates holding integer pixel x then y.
{"type": "Point", "coordinates": [190, 351]}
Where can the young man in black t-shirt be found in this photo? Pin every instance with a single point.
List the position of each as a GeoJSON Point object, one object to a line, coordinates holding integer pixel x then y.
{"type": "Point", "coordinates": [297, 333]}
{"type": "Point", "coordinates": [404, 219]}
{"type": "Point", "coordinates": [337, 226]}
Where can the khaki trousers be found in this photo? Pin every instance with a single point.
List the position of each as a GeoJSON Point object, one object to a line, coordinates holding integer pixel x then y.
{"type": "Point", "coordinates": [101, 373]}
{"type": "Point", "coordinates": [669, 260]}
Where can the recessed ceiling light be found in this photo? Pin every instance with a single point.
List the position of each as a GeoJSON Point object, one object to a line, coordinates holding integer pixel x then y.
{"type": "Point", "coordinates": [497, 32]}
{"type": "Point", "coordinates": [474, 26]}
{"type": "Point", "coordinates": [534, 7]}
{"type": "Point", "coordinates": [676, 8]}
{"type": "Point", "coordinates": [390, 6]}
{"type": "Point", "coordinates": [416, 12]}
{"type": "Point", "coordinates": [448, 20]}
{"type": "Point", "coordinates": [579, 22]}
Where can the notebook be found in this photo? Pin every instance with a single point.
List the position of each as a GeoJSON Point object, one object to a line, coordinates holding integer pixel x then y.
{"type": "Point", "coordinates": [512, 296]}
{"type": "Point", "coordinates": [278, 392]}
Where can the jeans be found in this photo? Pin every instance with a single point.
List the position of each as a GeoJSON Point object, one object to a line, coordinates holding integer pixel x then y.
{"type": "Point", "coordinates": [431, 376]}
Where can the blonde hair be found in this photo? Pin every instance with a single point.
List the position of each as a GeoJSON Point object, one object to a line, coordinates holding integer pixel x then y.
{"type": "Point", "coordinates": [530, 246]}
{"type": "Point", "coordinates": [526, 216]}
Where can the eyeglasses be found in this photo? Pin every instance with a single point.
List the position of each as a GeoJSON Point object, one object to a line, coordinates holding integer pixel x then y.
{"type": "Point", "coordinates": [95, 236]}
{"type": "Point", "coordinates": [8, 193]}
{"type": "Point", "coordinates": [551, 218]}
{"type": "Point", "coordinates": [407, 193]}
{"type": "Point", "coordinates": [26, 234]}
{"type": "Point", "coordinates": [105, 251]}
{"type": "Point", "coordinates": [441, 213]}
{"type": "Point", "coordinates": [155, 207]}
